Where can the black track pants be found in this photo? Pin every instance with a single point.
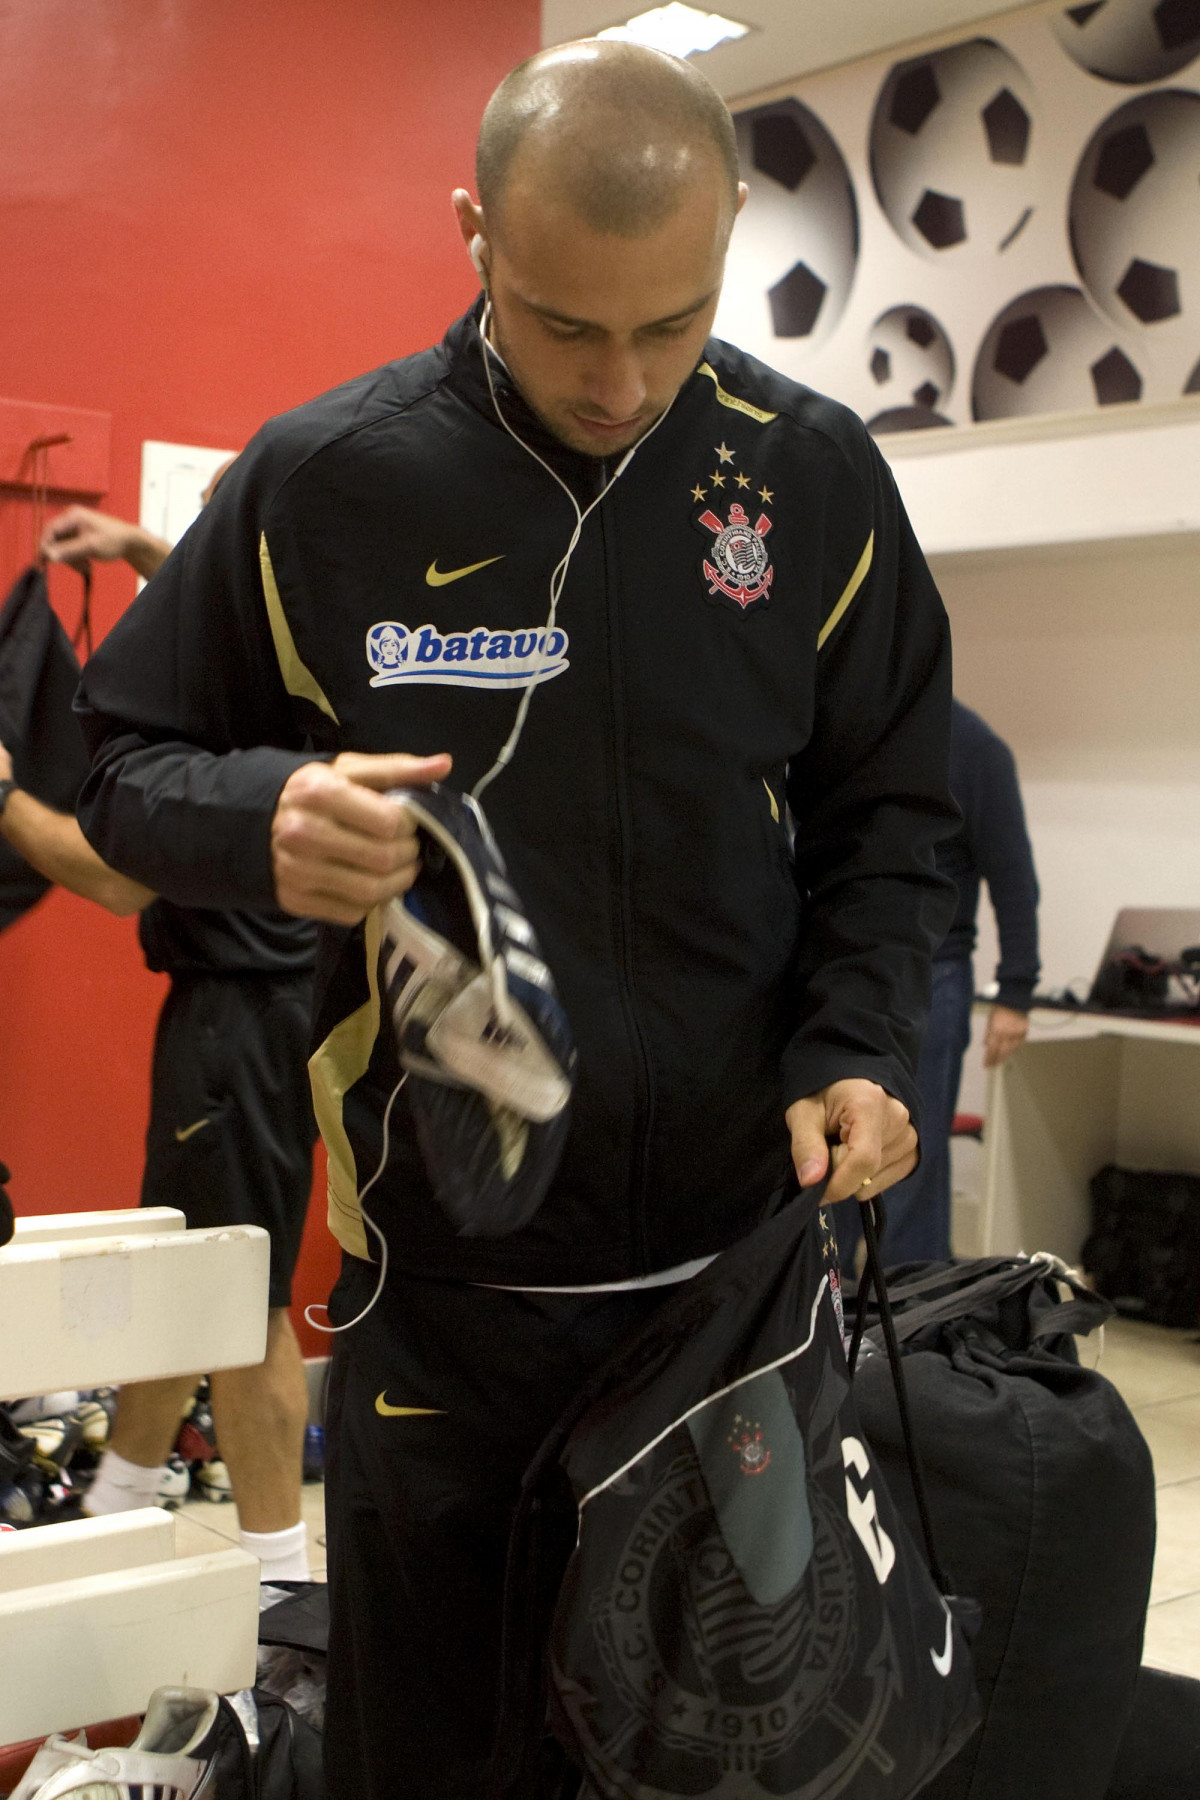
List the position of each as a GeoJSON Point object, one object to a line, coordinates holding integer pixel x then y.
{"type": "Point", "coordinates": [437, 1403]}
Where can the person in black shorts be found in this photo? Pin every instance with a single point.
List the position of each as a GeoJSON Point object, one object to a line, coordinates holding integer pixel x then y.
{"type": "Point", "coordinates": [230, 1141]}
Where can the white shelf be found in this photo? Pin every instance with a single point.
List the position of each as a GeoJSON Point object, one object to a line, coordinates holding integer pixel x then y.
{"type": "Point", "coordinates": [1075, 480]}
{"type": "Point", "coordinates": [97, 1613]}
{"type": "Point", "coordinates": [61, 1228]}
{"type": "Point", "coordinates": [85, 1547]}
{"type": "Point", "coordinates": [78, 1309]}
{"type": "Point", "coordinates": [94, 1643]}
{"type": "Point", "coordinates": [1084, 1090]}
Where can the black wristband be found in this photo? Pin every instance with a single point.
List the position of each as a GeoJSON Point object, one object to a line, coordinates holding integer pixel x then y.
{"type": "Point", "coordinates": [6, 788]}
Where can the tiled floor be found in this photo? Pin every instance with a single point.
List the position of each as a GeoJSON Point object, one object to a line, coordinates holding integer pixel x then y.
{"type": "Point", "coordinates": [1158, 1375]}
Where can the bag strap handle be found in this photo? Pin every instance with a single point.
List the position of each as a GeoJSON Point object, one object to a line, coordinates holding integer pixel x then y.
{"type": "Point", "coordinates": [949, 1277]}
{"type": "Point", "coordinates": [1082, 1313]}
{"type": "Point", "coordinates": [83, 630]}
{"type": "Point", "coordinates": [873, 1221]}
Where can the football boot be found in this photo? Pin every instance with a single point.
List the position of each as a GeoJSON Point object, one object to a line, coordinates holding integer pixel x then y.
{"type": "Point", "coordinates": [479, 1028]}
{"type": "Point", "coordinates": [173, 1757]}
{"type": "Point", "coordinates": [174, 1482]}
{"type": "Point", "coordinates": [43, 1406]}
{"type": "Point", "coordinates": [196, 1441]}
{"type": "Point", "coordinates": [54, 1441]}
{"type": "Point", "coordinates": [210, 1481]}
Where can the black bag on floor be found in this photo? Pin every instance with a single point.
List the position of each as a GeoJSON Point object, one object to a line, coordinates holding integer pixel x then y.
{"type": "Point", "coordinates": [1144, 1249]}
{"type": "Point", "coordinates": [1042, 1494]}
{"type": "Point", "coordinates": [743, 1612]}
{"type": "Point", "coordinates": [284, 1765]}
{"type": "Point", "coordinates": [1160, 1752]}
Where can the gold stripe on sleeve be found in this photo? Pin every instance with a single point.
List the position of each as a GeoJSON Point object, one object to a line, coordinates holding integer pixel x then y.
{"type": "Point", "coordinates": [298, 679]}
{"type": "Point", "coordinates": [772, 799]}
{"type": "Point", "coordinates": [725, 398]}
{"type": "Point", "coordinates": [333, 1070]}
{"type": "Point", "coordinates": [848, 592]}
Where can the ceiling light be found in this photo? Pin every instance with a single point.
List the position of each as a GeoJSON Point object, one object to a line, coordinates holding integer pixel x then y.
{"type": "Point", "coordinates": [680, 30]}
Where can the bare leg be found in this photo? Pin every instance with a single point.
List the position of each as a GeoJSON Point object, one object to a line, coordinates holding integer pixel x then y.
{"type": "Point", "coordinates": [260, 1414]}
{"type": "Point", "coordinates": [148, 1415]}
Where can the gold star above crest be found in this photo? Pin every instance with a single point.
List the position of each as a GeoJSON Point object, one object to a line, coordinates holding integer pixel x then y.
{"type": "Point", "coordinates": [698, 492]}
{"type": "Point", "coordinates": [766, 495]}
{"type": "Point", "coordinates": [717, 479]}
{"type": "Point", "coordinates": [743, 481]}
{"type": "Point", "coordinates": [725, 453]}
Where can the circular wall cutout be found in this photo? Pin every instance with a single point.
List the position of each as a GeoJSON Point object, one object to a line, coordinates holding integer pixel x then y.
{"type": "Point", "coordinates": [1130, 40]}
{"type": "Point", "coordinates": [1048, 352]}
{"type": "Point", "coordinates": [905, 418]}
{"type": "Point", "coordinates": [950, 150]}
{"type": "Point", "coordinates": [911, 363]}
{"type": "Point", "coordinates": [1135, 215]}
{"type": "Point", "coordinates": [795, 247]}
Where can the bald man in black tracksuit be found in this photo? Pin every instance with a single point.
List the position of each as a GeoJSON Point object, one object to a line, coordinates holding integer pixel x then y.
{"type": "Point", "coordinates": [746, 630]}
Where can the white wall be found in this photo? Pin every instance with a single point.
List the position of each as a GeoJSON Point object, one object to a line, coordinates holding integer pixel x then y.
{"type": "Point", "coordinates": [1088, 663]}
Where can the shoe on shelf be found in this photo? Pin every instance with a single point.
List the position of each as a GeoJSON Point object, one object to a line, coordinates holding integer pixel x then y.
{"type": "Point", "coordinates": [210, 1481]}
{"type": "Point", "coordinates": [172, 1757]}
{"type": "Point", "coordinates": [174, 1481]}
{"type": "Point", "coordinates": [196, 1440]}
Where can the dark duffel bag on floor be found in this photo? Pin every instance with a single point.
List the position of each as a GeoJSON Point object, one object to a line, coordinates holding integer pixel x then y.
{"type": "Point", "coordinates": [1144, 1248]}
{"type": "Point", "coordinates": [743, 1615]}
{"type": "Point", "coordinates": [1160, 1753]}
{"type": "Point", "coordinates": [1042, 1494]}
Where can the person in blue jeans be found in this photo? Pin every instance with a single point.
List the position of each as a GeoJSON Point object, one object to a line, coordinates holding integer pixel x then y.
{"type": "Point", "coordinates": [992, 845]}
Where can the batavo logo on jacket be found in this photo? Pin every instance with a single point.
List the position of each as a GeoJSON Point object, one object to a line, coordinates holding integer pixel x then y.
{"type": "Point", "coordinates": [481, 657]}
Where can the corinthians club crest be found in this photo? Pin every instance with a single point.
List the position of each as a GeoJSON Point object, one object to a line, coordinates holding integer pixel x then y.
{"type": "Point", "coordinates": [746, 1442]}
{"type": "Point", "coordinates": [741, 566]}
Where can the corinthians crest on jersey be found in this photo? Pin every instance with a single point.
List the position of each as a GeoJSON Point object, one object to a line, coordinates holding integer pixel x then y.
{"type": "Point", "coordinates": [738, 567]}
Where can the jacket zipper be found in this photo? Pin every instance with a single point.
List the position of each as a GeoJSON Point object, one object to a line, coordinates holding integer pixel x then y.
{"type": "Point", "coordinates": [639, 1170]}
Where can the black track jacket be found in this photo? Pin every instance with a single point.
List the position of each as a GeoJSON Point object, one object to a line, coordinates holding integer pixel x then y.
{"type": "Point", "coordinates": [747, 629]}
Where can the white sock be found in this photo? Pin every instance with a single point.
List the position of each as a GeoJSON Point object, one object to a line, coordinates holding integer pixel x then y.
{"type": "Point", "coordinates": [282, 1554]}
{"type": "Point", "coordinates": [119, 1486]}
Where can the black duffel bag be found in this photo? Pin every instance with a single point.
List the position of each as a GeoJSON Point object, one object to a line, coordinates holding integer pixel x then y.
{"type": "Point", "coordinates": [1042, 1497]}
{"type": "Point", "coordinates": [1160, 1755]}
{"type": "Point", "coordinates": [1144, 1248]}
{"type": "Point", "coordinates": [742, 1611]}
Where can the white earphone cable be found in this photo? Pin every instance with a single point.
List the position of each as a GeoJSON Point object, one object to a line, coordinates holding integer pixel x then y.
{"type": "Point", "coordinates": [559, 576]}
{"type": "Point", "coordinates": [332, 1330]}
{"type": "Point", "coordinates": [557, 582]}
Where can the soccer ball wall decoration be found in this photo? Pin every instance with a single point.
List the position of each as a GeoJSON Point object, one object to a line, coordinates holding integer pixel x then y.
{"type": "Point", "coordinates": [1135, 218]}
{"type": "Point", "coordinates": [1130, 40]}
{"type": "Point", "coordinates": [798, 237]}
{"type": "Point", "coordinates": [1049, 352]}
{"type": "Point", "coordinates": [993, 206]}
{"type": "Point", "coordinates": [950, 149]}
{"type": "Point", "coordinates": [912, 367]}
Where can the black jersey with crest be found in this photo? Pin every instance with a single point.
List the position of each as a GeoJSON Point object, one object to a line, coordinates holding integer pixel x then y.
{"type": "Point", "coordinates": [748, 646]}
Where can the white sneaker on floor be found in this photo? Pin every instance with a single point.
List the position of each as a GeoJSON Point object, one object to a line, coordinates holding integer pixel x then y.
{"type": "Point", "coordinates": [172, 1757]}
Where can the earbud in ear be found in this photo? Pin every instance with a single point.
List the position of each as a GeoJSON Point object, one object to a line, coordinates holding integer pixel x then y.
{"type": "Point", "coordinates": [478, 246]}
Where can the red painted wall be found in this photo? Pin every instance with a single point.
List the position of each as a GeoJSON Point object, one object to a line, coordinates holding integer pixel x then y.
{"type": "Point", "coordinates": [210, 210]}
